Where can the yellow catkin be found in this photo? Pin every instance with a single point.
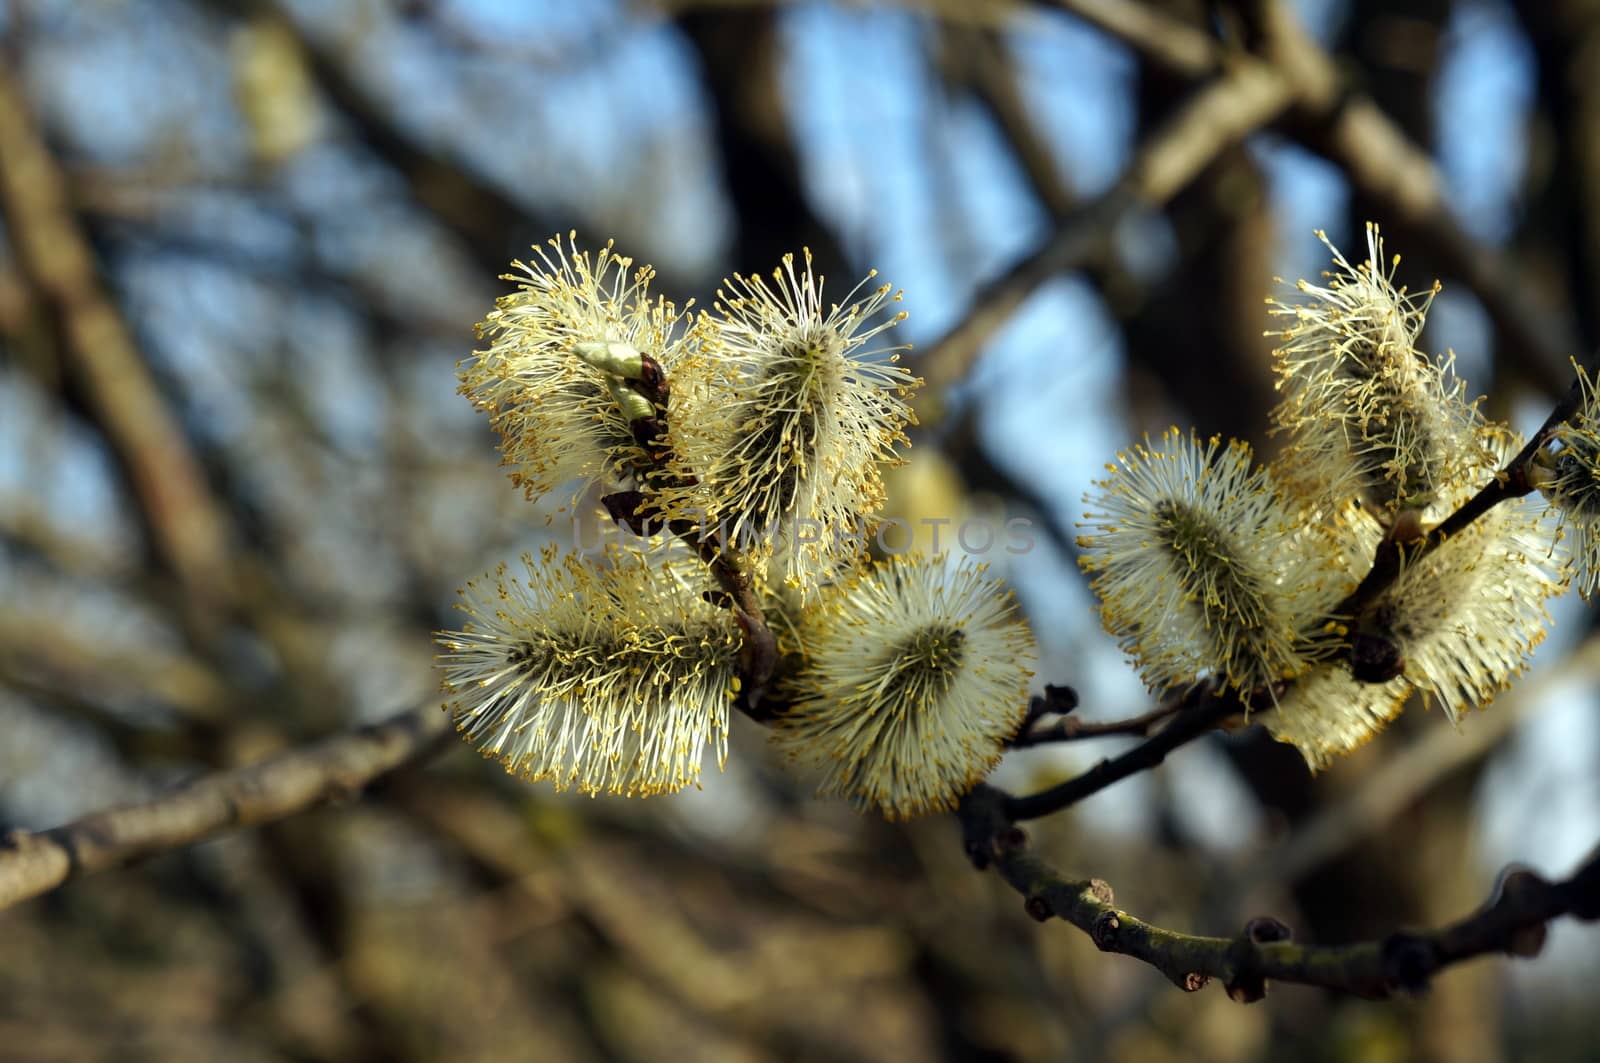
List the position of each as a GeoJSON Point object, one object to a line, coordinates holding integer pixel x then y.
{"type": "Point", "coordinates": [801, 410]}
{"type": "Point", "coordinates": [1202, 568]}
{"type": "Point", "coordinates": [611, 678]}
{"type": "Point", "coordinates": [916, 674]}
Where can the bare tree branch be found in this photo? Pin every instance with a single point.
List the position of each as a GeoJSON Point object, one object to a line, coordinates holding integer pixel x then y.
{"type": "Point", "coordinates": [333, 769]}
{"type": "Point", "coordinates": [1169, 43]}
{"type": "Point", "coordinates": [1512, 921]}
{"type": "Point", "coordinates": [976, 58]}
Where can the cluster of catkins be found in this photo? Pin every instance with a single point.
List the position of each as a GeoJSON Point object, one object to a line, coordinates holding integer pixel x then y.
{"type": "Point", "coordinates": [1209, 567]}
{"type": "Point", "coordinates": [750, 437]}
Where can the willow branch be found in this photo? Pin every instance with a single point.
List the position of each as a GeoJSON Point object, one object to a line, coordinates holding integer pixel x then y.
{"type": "Point", "coordinates": [1221, 115]}
{"type": "Point", "coordinates": [1202, 709]}
{"type": "Point", "coordinates": [1513, 921]}
{"type": "Point", "coordinates": [337, 768]}
{"type": "Point", "coordinates": [759, 659]}
{"type": "Point", "coordinates": [1197, 713]}
{"type": "Point", "coordinates": [638, 512]}
{"type": "Point", "coordinates": [1073, 728]}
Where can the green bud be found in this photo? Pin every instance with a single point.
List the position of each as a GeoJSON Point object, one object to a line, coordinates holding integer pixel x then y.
{"type": "Point", "coordinates": [618, 359]}
{"type": "Point", "coordinates": [635, 407]}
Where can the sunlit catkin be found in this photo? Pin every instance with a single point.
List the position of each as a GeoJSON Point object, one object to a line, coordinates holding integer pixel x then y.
{"type": "Point", "coordinates": [548, 379]}
{"type": "Point", "coordinates": [1569, 478]}
{"type": "Point", "coordinates": [786, 464]}
{"type": "Point", "coordinates": [1369, 417]}
{"type": "Point", "coordinates": [915, 674]}
{"type": "Point", "coordinates": [1328, 713]}
{"type": "Point", "coordinates": [1202, 568]}
{"type": "Point", "coordinates": [610, 677]}
{"type": "Point", "coordinates": [1465, 617]}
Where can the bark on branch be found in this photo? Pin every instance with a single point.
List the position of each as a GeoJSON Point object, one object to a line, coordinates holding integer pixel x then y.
{"type": "Point", "coordinates": [334, 769]}
{"type": "Point", "coordinates": [1513, 921]}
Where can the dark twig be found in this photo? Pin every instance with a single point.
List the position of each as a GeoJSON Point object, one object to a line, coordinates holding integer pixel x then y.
{"type": "Point", "coordinates": [1198, 712]}
{"type": "Point", "coordinates": [759, 659]}
{"type": "Point", "coordinates": [1072, 728]}
{"type": "Point", "coordinates": [1056, 700]}
{"type": "Point", "coordinates": [1513, 921]}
